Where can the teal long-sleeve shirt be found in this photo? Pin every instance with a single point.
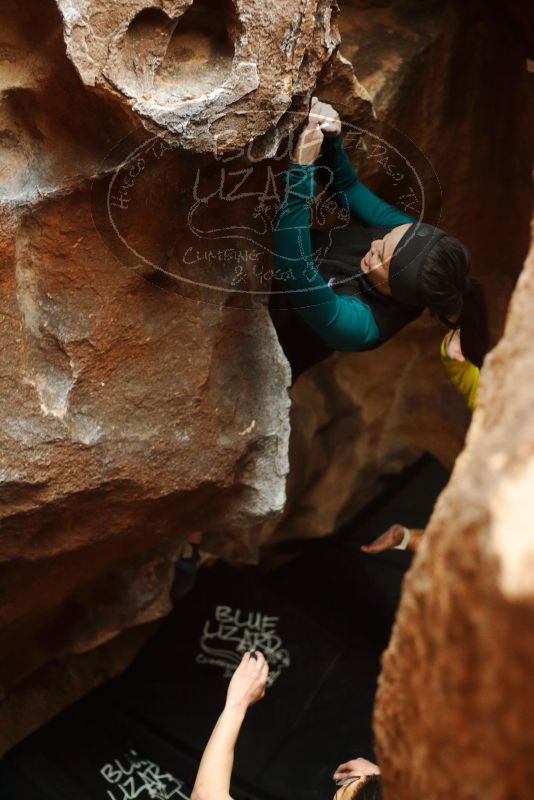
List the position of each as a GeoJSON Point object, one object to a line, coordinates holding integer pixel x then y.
{"type": "Point", "coordinates": [343, 322]}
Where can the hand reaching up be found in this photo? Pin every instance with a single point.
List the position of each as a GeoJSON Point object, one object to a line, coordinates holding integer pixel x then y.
{"type": "Point", "coordinates": [327, 116]}
{"type": "Point", "coordinates": [309, 143]}
{"type": "Point", "coordinates": [323, 120]}
{"type": "Point", "coordinates": [248, 682]}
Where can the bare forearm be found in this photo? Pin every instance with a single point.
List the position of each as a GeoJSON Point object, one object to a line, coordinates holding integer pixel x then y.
{"type": "Point", "coordinates": [215, 770]}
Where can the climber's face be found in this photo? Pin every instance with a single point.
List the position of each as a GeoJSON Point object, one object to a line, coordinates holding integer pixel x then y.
{"type": "Point", "coordinates": [375, 262]}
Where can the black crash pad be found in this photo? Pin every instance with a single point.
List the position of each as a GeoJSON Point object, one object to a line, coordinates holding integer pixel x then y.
{"type": "Point", "coordinates": [321, 619]}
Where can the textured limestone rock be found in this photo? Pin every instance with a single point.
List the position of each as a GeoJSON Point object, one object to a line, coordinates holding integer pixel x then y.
{"type": "Point", "coordinates": [134, 412]}
{"type": "Point", "coordinates": [455, 710]}
{"type": "Point", "coordinates": [450, 93]}
{"type": "Point", "coordinates": [191, 67]}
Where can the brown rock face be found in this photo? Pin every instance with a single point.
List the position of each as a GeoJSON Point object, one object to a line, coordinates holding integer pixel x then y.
{"type": "Point", "coordinates": [454, 710]}
{"type": "Point", "coordinates": [190, 66]}
{"type": "Point", "coordinates": [133, 413]}
{"type": "Point", "coordinates": [144, 388]}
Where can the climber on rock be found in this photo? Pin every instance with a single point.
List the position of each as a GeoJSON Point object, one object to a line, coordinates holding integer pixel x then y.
{"type": "Point", "coordinates": [371, 278]}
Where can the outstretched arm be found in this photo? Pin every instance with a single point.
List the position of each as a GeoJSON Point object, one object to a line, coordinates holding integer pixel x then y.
{"type": "Point", "coordinates": [392, 539]}
{"type": "Point", "coordinates": [215, 771]}
{"type": "Point", "coordinates": [343, 185]}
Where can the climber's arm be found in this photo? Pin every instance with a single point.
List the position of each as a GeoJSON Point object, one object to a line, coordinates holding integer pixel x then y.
{"type": "Point", "coordinates": [462, 373]}
{"type": "Point", "coordinates": [393, 538]}
{"type": "Point", "coordinates": [342, 183]}
{"type": "Point", "coordinates": [215, 771]}
{"type": "Point", "coordinates": [344, 323]}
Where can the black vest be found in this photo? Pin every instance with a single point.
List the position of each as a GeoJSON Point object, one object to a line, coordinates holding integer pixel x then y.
{"type": "Point", "coordinates": [337, 255]}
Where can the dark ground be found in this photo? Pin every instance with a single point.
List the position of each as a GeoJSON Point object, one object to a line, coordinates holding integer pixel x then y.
{"type": "Point", "coordinates": [323, 618]}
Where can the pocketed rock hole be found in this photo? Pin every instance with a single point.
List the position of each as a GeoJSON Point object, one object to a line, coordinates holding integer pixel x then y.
{"type": "Point", "coordinates": [200, 53]}
{"type": "Point", "coordinates": [145, 44]}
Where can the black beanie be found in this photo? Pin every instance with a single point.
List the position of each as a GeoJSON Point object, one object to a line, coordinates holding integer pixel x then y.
{"type": "Point", "coordinates": [408, 260]}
